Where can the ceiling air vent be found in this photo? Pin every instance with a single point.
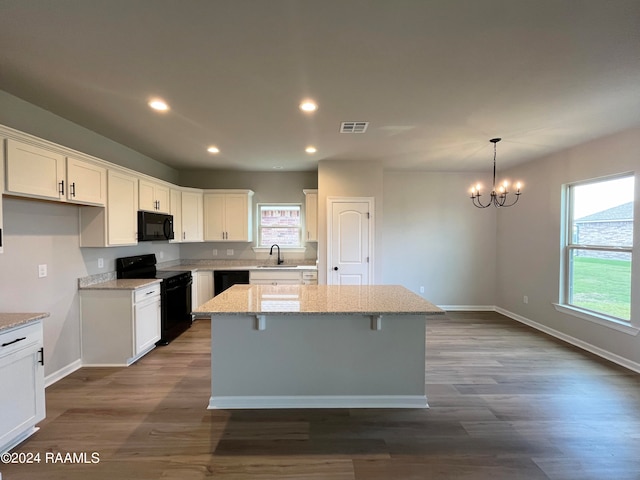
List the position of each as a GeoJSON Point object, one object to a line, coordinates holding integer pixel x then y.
{"type": "Point", "coordinates": [353, 127]}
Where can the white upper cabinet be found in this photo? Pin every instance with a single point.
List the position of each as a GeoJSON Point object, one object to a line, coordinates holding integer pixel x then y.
{"type": "Point", "coordinates": [1, 190]}
{"type": "Point", "coordinates": [227, 216]}
{"type": "Point", "coordinates": [311, 214]}
{"type": "Point", "coordinates": [42, 173]}
{"type": "Point", "coordinates": [34, 171]}
{"type": "Point", "coordinates": [117, 223]}
{"type": "Point", "coordinates": [87, 182]}
{"type": "Point", "coordinates": [192, 216]}
{"type": "Point", "coordinates": [122, 209]}
{"type": "Point", "coordinates": [175, 209]}
{"type": "Point", "coordinates": [154, 197]}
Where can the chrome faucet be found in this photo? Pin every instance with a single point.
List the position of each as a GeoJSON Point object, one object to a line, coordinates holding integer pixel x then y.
{"type": "Point", "coordinates": [280, 260]}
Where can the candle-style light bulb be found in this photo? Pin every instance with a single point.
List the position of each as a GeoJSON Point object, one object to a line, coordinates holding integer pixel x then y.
{"type": "Point", "coordinates": [518, 186]}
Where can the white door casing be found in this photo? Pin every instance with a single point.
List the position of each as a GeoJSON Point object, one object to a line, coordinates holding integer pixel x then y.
{"type": "Point", "coordinates": [350, 236]}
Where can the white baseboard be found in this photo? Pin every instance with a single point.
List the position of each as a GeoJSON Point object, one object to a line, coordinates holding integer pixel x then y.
{"type": "Point", "coordinates": [17, 440]}
{"type": "Point", "coordinates": [468, 308]}
{"type": "Point", "coordinates": [63, 372]}
{"type": "Point", "coordinates": [612, 357]}
{"type": "Point", "coordinates": [318, 401]}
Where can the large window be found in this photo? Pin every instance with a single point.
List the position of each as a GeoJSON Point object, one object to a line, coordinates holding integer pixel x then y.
{"type": "Point", "coordinates": [598, 247]}
{"type": "Point", "coordinates": [280, 224]}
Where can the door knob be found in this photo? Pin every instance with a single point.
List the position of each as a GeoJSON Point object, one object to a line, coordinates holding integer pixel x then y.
{"type": "Point", "coordinates": [335, 268]}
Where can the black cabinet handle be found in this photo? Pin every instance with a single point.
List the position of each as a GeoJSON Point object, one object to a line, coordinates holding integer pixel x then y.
{"type": "Point", "coordinates": [41, 352]}
{"type": "Point", "coordinates": [0, 238]}
{"type": "Point", "coordinates": [72, 188]}
{"type": "Point", "coordinates": [14, 341]}
{"type": "Point", "coordinates": [61, 184]}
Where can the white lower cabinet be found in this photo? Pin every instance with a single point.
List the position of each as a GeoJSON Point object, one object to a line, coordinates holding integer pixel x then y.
{"type": "Point", "coordinates": [22, 402]}
{"type": "Point", "coordinates": [310, 277]}
{"type": "Point", "coordinates": [204, 287]}
{"type": "Point", "coordinates": [275, 277]}
{"type": "Point", "coordinates": [119, 326]}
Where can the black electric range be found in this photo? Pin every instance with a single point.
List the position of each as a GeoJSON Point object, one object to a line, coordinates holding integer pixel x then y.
{"type": "Point", "coordinates": [175, 292]}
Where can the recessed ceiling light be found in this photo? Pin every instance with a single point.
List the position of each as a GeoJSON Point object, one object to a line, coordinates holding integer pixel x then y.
{"type": "Point", "coordinates": [159, 105]}
{"type": "Point", "coordinates": [213, 149]}
{"type": "Point", "coordinates": [308, 106]}
{"type": "Point", "coordinates": [311, 149]}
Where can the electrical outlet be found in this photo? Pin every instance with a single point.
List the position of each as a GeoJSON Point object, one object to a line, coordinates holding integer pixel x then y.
{"type": "Point", "coordinates": [214, 252]}
{"type": "Point", "coordinates": [101, 263]}
{"type": "Point", "coordinates": [229, 251]}
{"type": "Point", "coordinates": [161, 254]}
{"type": "Point", "coordinates": [525, 299]}
{"type": "Point", "coordinates": [421, 289]}
{"type": "Point", "coordinates": [42, 270]}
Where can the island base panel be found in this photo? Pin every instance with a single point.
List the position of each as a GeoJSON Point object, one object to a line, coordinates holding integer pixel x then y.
{"type": "Point", "coordinates": [318, 361]}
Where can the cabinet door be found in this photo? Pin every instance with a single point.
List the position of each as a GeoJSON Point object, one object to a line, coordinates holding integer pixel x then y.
{"type": "Point", "coordinates": [214, 221]}
{"type": "Point", "coordinates": [122, 208]}
{"type": "Point", "coordinates": [162, 197]}
{"type": "Point", "coordinates": [153, 197]}
{"type": "Point", "coordinates": [191, 217]}
{"type": "Point", "coordinates": [175, 209]}
{"type": "Point", "coordinates": [87, 183]}
{"type": "Point", "coordinates": [34, 171]}
{"type": "Point", "coordinates": [22, 396]}
{"type": "Point", "coordinates": [1, 189]}
{"type": "Point", "coordinates": [146, 195]}
{"type": "Point", "coordinates": [147, 324]}
{"type": "Point", "coordinates": [235, 216]}
{"type": "Point", "coordinates": [205, 287]}
{"type": "Point", "coordinates": [311, 216]}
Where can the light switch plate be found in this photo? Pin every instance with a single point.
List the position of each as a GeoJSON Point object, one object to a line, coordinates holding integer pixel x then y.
{"type": "Point", "coordinates": [101, 263]}
{"type": "Point", "coordinates": [229, 251]}
{"type": "Point", "coordinates": [42, 270]}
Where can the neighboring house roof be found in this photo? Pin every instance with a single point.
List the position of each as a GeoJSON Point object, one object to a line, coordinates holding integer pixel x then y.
{"type": "Point", "coordinates": [619, 213]}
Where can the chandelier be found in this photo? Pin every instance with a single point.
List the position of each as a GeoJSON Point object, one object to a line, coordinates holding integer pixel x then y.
{"type": "Point", "coordinates": [498, 198]}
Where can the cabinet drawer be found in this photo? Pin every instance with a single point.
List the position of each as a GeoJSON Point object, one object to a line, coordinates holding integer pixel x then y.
{"type": "Point", "coordinates": [275, 275]}
{"type": "Point", "coordinates": [146, 293]}
{"type": "Point", "coordinates": [20, 337]}
{"type": "Point", "coordinates": [310, 275]}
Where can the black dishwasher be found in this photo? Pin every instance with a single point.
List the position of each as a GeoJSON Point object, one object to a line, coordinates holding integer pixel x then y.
{"type": "Point", "coordinates": [223, 279]}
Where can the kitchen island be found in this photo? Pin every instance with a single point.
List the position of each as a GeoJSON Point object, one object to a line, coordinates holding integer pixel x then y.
{"type": "Point", "coordinates": [318, 346]}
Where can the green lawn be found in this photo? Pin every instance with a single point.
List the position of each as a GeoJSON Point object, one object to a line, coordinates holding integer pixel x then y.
{"type": "Point", "coordinates": [602, 285]}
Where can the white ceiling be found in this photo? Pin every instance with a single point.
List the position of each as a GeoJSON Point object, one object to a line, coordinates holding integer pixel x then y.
{"type": "Point", "coordinates": [435, 79]}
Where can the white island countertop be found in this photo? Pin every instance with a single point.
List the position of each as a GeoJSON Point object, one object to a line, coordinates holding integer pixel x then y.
{"type": "Point", "coordinates": [318, 299]}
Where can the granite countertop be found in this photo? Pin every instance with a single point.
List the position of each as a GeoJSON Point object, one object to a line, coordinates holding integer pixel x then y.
{"type": "Point", "coordinates": [318, 299]}
{"type": "Point", "coordinates": [10, 320]}
{"type": "Point", "coordinates": [122, 284]}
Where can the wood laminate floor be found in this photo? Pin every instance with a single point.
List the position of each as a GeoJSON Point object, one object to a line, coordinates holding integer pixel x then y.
{"type": "Point", "coordinates": [507, 402]}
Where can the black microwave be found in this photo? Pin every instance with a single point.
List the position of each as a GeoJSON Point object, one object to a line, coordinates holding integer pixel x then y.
{"type": "Point", "coordinates": [154, 226]}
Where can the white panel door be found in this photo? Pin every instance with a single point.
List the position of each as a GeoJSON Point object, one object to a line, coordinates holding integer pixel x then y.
{"type": "Point", "coordinates": [350, 238]}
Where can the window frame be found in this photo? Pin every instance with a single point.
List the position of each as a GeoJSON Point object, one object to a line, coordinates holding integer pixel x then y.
{"type": "Point", "coordinates": [259, 206]}
{"type": "Point", "coordinates": [567, 246]}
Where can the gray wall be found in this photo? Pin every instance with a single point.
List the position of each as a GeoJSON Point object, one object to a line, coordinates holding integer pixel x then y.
{"type": "Point", "coordinates": [528, 241]}
{"type": "Point", "coordinates": [47, 233]}
{"type": "Point", "coordinates": [338, 178]}
{"type": "Point", "coordinates": [281, 187]}
{"type": "Point", "coordinates": [28, 118]}
{"type": "Point", "coordinates": [434, 237]}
